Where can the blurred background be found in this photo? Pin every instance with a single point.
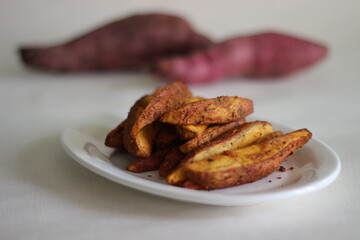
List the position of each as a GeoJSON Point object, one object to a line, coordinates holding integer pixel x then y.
{"type": "Point", "coordinates": [24, 22]}
{"type": "Point", "coordinates": [44, 194]}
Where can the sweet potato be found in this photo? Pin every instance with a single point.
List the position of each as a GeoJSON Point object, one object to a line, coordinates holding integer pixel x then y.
{"type": "Point", "coordinates": [114, 138]}
{"type": "Point", "coordinates": [236, 137]}
{"type": "Point", "coordinates": [166, 136]}
{"type": "Point", "coordinates": [189, 184]}
{"type": "Point", "coordinates": [208, 134]}
{"type": "Point", "coordinates": [210, 111]}
{"type": "Point", "coordinates": [268, 136]}
{"type": "Point", "coordinates": [240, 136]}
{"type": "Point", "coordinates": [229, 152]}
{"type": "Point", "coordinates": [177, 176]}
{"type": "Point", "coordinates": [130, 43]}
{"type": "Point", "coordinates": [139, 130]}
{"type": "Point", "coordinates": [171, 161]}
{"type": "Point", "coordinates": [262, 55]}
{"type": "Point", "coordinates": [148, 163]}
{"type": "Point", "coordinates": [245, 165]}
{"type": "Point", "coordinates": [187, 132]}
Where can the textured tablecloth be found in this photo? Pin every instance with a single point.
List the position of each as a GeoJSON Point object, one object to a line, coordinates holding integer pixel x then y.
{"type": "Point", "coordinates": [44, 194]}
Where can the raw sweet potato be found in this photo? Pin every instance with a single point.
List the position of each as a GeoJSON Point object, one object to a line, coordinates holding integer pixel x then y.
{"type": "Point", "coordinates": [128, 43]}
{"type": "Point", "coordinates": [262, 55]}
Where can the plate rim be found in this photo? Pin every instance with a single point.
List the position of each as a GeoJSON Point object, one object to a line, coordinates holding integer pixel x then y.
{"type": "Point", "coordinates": [203, 197]}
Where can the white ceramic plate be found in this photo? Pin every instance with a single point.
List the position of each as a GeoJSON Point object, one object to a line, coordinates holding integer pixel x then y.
{"type": "Point", "coordinates": [315, 166]}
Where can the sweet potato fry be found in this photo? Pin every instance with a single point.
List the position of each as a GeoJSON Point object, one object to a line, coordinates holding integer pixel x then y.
{"type": "Point", "coordinates": [148, 163]}
{"type": "Point", "coordinates": [229, 152]}
{"type": "Point", "coordinates": [247, 164]}
{"type": "Point", "coordinates": [239, 136]}
{"type": "Point", "coordinates": [177, 176]}
{"type": "Point", "coordinates": [268, 136]}
{"type": "Point", "coordinates": [189, 184]}
{"type": "Point", "coordinates": [114, 138]}
{"type": "Point", "coordinates": [208, 134]}
{"type": "Point", "coordinates": [139, 133]}
{"type": "Point", "coordinates": [210, 111]}
{"type": "Point", "coordinates": [171, 161]}
{"type": "Point", "coordinates": [187, 132]}
{"type": "Point", "coordinates": [190, 131]}
{"type": "Point", "coordinates": [166, 136]}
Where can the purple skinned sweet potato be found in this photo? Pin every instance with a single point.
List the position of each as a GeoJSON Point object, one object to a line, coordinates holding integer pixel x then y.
{"type": "Point", "coordinates": [130, 43]}
{"type": "Point", "coordinates": [262, 55]}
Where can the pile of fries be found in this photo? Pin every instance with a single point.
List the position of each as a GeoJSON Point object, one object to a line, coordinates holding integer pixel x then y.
{"type": "Point", "coordinates": [201, 143]}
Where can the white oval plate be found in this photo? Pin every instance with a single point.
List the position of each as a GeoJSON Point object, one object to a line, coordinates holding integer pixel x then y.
{"type": "Point", "coordinates": [315, 166]}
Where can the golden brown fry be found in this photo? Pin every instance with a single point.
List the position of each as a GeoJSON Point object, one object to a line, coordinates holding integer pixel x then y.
{"type": "Point", "coordinates": [166, 136]}
{"type": "Point", "coordinates": [208, 134]}
{"type": "Point", "coordinates": [171, 161]}
{"type": "Point", "coordinates": [268, 136]}
{"type": "Point", "coordinates": [138, 136]}
{"type": "Point", "coordinates": [245, 165]}
{"type": "Point", "coordinates": [114, 138]}
{"type": "Point", "coordinates": [222, 149]}
{"type": "Point", "coordinates": [210, 111]}
{"type": "Point", "coordinates": [193, 99]}
{"type": "Point", "coordinates": [148, 163]}
{"type": "Point", "coordinates": [187, 132]}
{"type": "Point", "coordinates": [190, 184]}
{"type": "Point", "coordinates": [239, 136]}
{"type": "Point", "coordinates": [177, 176]}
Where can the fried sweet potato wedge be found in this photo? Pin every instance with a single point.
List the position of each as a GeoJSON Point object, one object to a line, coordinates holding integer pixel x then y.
{"type": "Point", "coordinates": [187, 132]}
{"type": "Point", "coordinates": [166, 136]}
{"type": "Point", "coordinates": [210, 111]}
{"type": "Point", "coordinates": [189, 184]}
{"type": "Point", "coordinates": [139, 141]}
{"type": "Point", "coordinates": [114, 138]}
{"type": "Point", "coordinates": [177, 176]}
{"type": "Point", "coordinates": [148, 163]}
{"type": "Point", "coordinates": [208, 134]}
{"type": "Point", "coordinates": [171, 161]}
{"type": "Point", "coordinates": [247, 164]}
{"type": "Point", "coordinates": [139, 132]}
{"type": "Point", "coordinates": [236, 137]}
{"type": "Point", "coordinates": [268, 136]}
{"type": "Point", "coordinates": [239, 136]}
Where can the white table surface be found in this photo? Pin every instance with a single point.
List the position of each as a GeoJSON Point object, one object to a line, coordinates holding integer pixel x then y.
{"type": "Point", "coordinates": [44, 194]}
